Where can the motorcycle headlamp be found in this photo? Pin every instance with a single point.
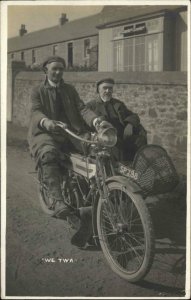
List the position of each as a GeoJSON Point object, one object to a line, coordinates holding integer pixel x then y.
{"type": "Point", "coordinates": [107, 136]}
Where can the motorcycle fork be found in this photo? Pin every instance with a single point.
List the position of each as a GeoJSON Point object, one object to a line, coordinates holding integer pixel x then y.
{"type": "Point", "coordinates": [103, 188]}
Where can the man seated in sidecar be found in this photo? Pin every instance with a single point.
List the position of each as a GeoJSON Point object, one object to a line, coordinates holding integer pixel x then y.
{"type": "Point", "coordinates": [130, 133]}
{"type": "Point", "coordinates": [54, 100]}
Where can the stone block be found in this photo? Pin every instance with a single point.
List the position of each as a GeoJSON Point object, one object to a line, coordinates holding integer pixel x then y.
{"type": "Point", "coordinates": [157, 140]}
{"type": "Point", "coordinates": [152, 113]}
{"type": "Point", "coordinates": [181, 143]}
{"type": "Point", "coordinates": [182, 115]}
{"type": "Point", "coordinates": [171, 138]}
{"type": "Point", "coordinates": [161, 107]}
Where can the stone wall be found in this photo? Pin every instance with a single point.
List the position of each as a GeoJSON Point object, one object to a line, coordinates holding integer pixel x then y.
{"type": "Point", "coordinates": [160, 99]}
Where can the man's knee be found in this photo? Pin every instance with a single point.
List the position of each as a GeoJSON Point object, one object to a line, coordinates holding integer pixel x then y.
{"type": "Point", "coordinates": [49, 157]}
{"type": "Point", "coordinates": [50, 167]}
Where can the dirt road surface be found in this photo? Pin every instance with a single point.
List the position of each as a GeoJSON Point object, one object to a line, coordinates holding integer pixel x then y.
{"type": "Point", "coordinates": [40, 260]}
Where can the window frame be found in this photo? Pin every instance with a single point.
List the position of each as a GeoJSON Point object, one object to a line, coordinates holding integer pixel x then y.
{"type": "Point", "coordinates": [33, 56]}
{"type": "Point", "coordinates": [55, 49]}
{"type": "Point", "coordinates": [86, 47]}
{"type": "Point", "coordinates": [22, 55]}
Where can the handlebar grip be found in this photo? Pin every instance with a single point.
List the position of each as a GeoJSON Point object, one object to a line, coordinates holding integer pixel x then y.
{"type": "Point", "coordinates": [62, 125]}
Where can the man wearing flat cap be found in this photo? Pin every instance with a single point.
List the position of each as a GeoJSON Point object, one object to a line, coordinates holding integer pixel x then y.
{"type": "Point", "coordinates": [131, 134]}
{"type": "Point", "coordinates": [54, 100]}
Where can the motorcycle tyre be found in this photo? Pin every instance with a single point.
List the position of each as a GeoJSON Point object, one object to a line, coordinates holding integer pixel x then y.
{"type": "Point", "coordinates": [149, 236]}
{"type": "Point", "coordinates": [43, 203]}
{"type": "Point", "coordinates": [71, 220]}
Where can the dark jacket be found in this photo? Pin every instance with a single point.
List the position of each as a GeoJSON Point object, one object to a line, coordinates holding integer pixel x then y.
{"type": "Point", "coordinates": [70, 109]}
{"type": "Point", "coordinates": [115, 112]}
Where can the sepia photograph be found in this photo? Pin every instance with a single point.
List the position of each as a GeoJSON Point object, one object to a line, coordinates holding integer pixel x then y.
{"type": "Point", "coordinates": [95, 149]}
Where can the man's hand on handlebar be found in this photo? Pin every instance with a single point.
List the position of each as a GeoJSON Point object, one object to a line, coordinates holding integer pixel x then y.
{"type": "Point", "coordinates": [102, 124]}
{"type": "Point", "coordinates": [53, 126]}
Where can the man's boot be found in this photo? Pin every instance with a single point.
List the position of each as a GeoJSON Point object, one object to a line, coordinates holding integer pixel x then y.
{"type": "Point", "coordinates": [52, 179]}
{"type": "Point", "coordinates": [81, 237]}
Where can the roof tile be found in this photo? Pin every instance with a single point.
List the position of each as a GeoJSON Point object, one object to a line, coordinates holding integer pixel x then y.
{"type": "Point", "coordinates": [71, 30]}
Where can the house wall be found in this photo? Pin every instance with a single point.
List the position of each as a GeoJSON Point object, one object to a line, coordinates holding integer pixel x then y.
{"type": "Point", "coordinates": [172, 42]}
{"type": "Point", "coordinates": [160, 99]}
{"type": "Point", "coordinates": [168, 61]}
{"type": "Point", "coordinates": [181, 41]}
{"type": "Point", "coordinates": [105, 62]}
{"type": "Point", "coordinates": [62, 50]}
{"type": "Point", "coordinates": [78, 52]}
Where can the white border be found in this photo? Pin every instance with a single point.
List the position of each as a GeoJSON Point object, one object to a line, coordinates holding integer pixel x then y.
{"type": "Point", "coordinates": [4, 5]}
{"type": "Point", "coordinates": [3, 141]}
{"type": "Point", "coordinates": [188, 236]}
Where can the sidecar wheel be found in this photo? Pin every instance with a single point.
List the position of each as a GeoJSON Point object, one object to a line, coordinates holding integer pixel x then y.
{"type": "Point", "coordinates": [125, 232]}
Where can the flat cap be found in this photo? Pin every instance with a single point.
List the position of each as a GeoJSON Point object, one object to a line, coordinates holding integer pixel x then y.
{"type": "Point", "coordinates": [105, 80]}
{"type": "Point", "coordinates": [53, 59]}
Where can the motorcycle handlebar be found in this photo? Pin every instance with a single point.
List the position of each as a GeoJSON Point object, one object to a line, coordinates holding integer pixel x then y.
{"type": "Point", "coordinates": [65, 128]}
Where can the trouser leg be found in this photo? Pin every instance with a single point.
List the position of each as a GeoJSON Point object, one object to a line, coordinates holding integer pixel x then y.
{"type": "Point", "coordinates": [132, 144]}
{"type": "Point", "coordinates": [129, 148]}
{"type": "Point", "coordinates": [51, 174]}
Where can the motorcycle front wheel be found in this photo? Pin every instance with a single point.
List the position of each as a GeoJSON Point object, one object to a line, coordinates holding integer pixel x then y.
{"type": "Point", "coordinates": [125, 232]}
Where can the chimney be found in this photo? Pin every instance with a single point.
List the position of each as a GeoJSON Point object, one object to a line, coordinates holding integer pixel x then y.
{"type": "Point", "coordinates": [63, 19]}
{"type": "Point", "coordinates": [22, 30]}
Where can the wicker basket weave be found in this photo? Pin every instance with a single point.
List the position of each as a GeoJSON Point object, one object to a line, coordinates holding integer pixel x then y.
{"type": "Point", "coordinates": [156, 172]}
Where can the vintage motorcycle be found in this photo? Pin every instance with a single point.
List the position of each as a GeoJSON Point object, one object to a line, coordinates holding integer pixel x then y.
{"type": "Point", "coordinates": [117, 192]}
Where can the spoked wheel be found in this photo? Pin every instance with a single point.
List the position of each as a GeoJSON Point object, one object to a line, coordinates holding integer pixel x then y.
{"type": "Point", "coordinates": [126, 233]}
{"type": "Point", "coordinates": [46, 202]}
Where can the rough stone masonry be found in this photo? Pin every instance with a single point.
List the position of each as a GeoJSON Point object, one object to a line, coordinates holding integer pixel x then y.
{"type": "Point", "coordinates": [160, 99]}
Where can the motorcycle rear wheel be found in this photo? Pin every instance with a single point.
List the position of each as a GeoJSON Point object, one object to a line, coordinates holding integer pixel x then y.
{"type": "Point", "coordinates": [72, 201]}
{"type": "Point", "coordinates": [45, 201]}
{"type": "Point", "coordinates": [125, 233]}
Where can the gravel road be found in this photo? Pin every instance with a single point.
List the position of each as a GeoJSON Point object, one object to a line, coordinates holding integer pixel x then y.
{"type": "Point", "coordinates": [40, 260]}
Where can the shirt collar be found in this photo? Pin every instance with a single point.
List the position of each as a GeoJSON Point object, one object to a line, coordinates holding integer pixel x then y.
{"type": "Point", "coordinates": [103, 100]}
{"type": "Point", "coordinates": [53, 84]}
{"type": "Point", "coordinates": [99, 99]}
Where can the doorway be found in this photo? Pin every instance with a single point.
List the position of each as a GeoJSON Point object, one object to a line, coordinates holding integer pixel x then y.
{"type": "Point", "coordinates": [70, 55]}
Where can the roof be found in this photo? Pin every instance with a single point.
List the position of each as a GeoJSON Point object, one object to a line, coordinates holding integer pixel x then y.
{"type": "Point", "coordinates": [69, 31]}
{"type": "Point", "coordinates": [80, 28]}
{"type": "Point", "coordinates": [128, 13]}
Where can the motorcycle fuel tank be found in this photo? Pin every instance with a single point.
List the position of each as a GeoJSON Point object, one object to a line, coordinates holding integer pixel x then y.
{"type": "Point", "coordinates": [81, 165]}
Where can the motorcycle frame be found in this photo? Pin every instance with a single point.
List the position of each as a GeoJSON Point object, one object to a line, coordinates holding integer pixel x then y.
{"type": "Point", "coordinates": [99, 182]}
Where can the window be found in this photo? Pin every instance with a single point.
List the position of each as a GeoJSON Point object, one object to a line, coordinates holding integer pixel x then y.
{"type": "Point", "coordinates": [138, 46]}
{"type": "Point", "coordinates": [33, 56]}
{"type": "Point", "coordinates": [139, 64]}
{"type": "Point", "coordinates": [118, 55]}
{"type": "Point", "coordinates": [137, 53]}
{"type": "Point", "coordinates": [134, 29]}
{"type": "Point", "coordinates": [152, 57]}
{"type": "Point", "coordinates": [86, 47]}
{"type": "Point", "coordinates": [55, 49]}
{"type": "Point", "coordinates": [12, 55]}
{"type": "Point", "coordinates": [22, 55]}
{"type": "Point", "coordinates": [129, 59]}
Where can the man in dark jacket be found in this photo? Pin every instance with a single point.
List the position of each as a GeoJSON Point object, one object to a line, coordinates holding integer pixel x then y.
{"type": "Point", "coordinates": [53, 100]}
{"type": "Point", "coordinates": [131, 134]}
